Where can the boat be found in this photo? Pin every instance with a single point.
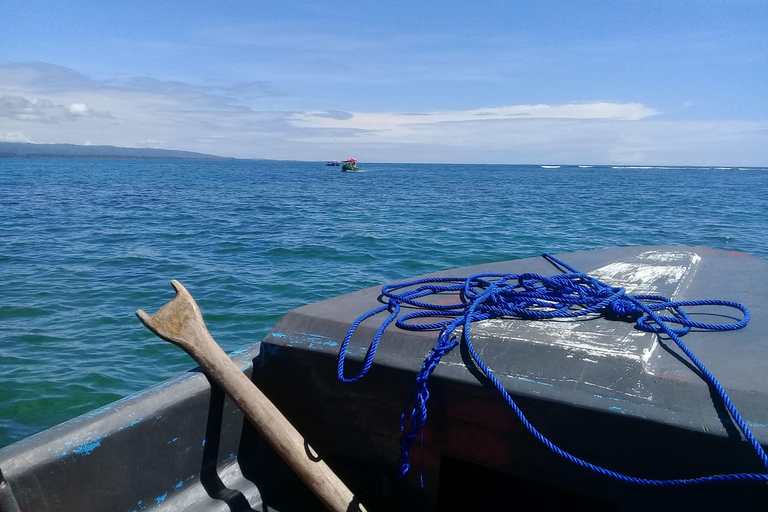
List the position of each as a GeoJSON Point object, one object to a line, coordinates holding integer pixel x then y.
{"type": "Point", "coordinates": [599, 388]}
{"type": "Point", "coordinates": [334, 163]}
{"type": "Point", "coordinates": [349, 164]}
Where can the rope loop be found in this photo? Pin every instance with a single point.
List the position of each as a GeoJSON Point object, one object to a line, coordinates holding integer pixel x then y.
{"type": "Point", "coordinates": [622, 310]}
{"type": "Point", "coordinates": [529, 296]}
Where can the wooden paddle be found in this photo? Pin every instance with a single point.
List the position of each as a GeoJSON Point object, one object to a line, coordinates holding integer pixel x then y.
{"type": "Point", "coordinates": [180, 322]}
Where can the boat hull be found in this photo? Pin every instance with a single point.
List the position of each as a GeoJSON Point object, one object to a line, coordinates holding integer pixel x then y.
{"type": "Point", "coordinates": [182, 445]}
{"type": "Point", "coordinates": [601, 389]}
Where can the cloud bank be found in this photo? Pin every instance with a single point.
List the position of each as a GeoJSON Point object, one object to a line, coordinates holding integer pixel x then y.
{"type": "Point", "coordinates": [374, 121]}
{"type": "Point", "coordinates": [44, 103]}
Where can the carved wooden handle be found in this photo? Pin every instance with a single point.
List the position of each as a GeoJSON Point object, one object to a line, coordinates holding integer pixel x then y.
{"type": "Point", "coordinates": [180, 322]}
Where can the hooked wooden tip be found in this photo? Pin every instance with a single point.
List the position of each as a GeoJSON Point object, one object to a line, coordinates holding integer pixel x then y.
{"type": "Point", "coordinates": [178, 321]}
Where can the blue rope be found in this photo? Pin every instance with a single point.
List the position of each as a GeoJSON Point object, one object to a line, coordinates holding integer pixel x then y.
{"type": "Point", "coordinates": [530, 296]}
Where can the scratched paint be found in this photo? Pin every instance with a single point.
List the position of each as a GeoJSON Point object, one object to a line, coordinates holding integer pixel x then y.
{"type": "Point", "coordinates": [597, 340]}
{"type": "Point", "coordinates": [532, 381]}
{"type": "Point", "coordinates": [86, 447]}
{"type": "Point", "coordinates": [301, 338]}
{"type": "Point", "coordinates": [131, 424]}
{"type": "Point", "coordinates": [652, 272]}
{"type": "Point", "coordinates": [315, 341]}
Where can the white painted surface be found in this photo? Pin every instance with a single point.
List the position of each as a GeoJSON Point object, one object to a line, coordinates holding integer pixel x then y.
{"type": "Point", "coordinates": [665, 273]}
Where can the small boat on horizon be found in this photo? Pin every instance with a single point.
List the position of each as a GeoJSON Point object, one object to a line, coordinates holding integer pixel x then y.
{"type": "Point", "coordinates": [334, 163]}
{"type": "Point", "coordinates": [350, 164]}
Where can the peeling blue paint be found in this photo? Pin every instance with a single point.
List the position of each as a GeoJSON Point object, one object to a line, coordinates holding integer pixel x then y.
{"type": "Point", "coordinates": [172, 440]}
{"type": "Point", "coordinates": [86, 447]}
{"type": "Point", "coordinates": [178, 485]}
{"type": "Point", "coordinates": [315, 339]}
{"type": "Point", "coordinates": [131, 424]}
{"type": "Point", "coordinates": [161, 498]}
{"type": "Point", "coordinates": [278, 335]}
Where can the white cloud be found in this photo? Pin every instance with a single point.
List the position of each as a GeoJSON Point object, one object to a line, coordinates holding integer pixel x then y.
{"type": "Point", "coordinates": [14, 137]}
{"type": "Point", "coordinates": [590, 141]}
{"type": "Point", "coordinates": [39, 108]}
{"type": "Point", "coordinates": [78, 109]}
{"type": "Point", "coordinates": [26, 109]}
{"type": "Point", "coordinates": [141, 112]}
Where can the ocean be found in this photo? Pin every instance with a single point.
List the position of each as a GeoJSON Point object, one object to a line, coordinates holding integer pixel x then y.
{"type": "Point", "coordinates": [84, 243]}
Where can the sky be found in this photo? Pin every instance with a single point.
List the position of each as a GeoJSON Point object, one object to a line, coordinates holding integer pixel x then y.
{"type": "Point", "coordinates": [653, 82]}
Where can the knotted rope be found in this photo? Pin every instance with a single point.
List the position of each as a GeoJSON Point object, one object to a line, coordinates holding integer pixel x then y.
{"type": "Point", "coordinates": [529, 296]}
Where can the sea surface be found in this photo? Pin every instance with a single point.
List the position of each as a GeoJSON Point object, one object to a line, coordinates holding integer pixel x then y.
{"type": "Point", "coordinates": [84, 243]}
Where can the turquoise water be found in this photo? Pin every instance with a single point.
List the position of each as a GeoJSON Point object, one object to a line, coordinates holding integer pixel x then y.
{"type": "Point", "coordinates": [84, 243]}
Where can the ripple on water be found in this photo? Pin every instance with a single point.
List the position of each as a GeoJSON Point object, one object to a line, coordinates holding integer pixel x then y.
{"type": "Point", "coordinates": [84, 243]}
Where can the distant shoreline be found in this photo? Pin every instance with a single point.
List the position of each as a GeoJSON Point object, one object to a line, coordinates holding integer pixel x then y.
{"type": "Point", "coordinates": [31, 156]}
{"type": "Point", "coordinates": [29, 150]}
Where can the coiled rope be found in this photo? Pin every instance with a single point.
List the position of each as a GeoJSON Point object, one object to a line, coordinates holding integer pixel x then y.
{"type": "Point", "coordinates": [529, 296]}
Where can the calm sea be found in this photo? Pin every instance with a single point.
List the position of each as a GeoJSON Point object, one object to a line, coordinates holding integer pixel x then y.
{"type": "Point", "coordinates": [84, 243]}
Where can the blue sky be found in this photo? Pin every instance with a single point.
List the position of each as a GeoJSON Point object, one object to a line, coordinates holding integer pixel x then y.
{"type": "Point", "coordinates": [590, 82]}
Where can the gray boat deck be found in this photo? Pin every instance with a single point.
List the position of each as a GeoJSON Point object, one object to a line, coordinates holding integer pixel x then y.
{"type": "Point", "coordinates": [603, 390]}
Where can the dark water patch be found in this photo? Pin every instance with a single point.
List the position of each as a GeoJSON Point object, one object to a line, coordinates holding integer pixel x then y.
{"type": "Point", "coordinates": [11, 312]}
{"type": "Point", "coordinates": [35, 339]}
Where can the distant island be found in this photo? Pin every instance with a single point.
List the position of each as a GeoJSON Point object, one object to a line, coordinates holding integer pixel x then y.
{"type": "Point", "coordinates": [29, 150]}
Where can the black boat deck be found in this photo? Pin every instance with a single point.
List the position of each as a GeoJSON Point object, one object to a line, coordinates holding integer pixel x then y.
{"type": "Point", "coordinates": [601, 389]}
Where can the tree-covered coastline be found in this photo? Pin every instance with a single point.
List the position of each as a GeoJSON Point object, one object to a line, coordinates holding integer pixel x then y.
{"type": "Point", "coordinates": [30, 150]}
